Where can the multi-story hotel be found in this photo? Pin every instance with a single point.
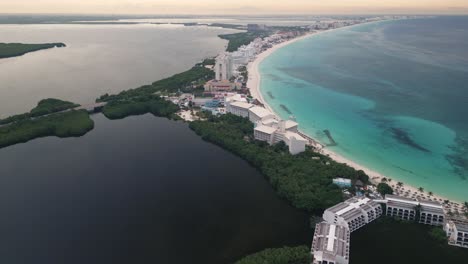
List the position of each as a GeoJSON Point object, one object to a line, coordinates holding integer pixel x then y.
{"type": "Point", "coordinates": [331, 244]}
{"type": "Point", "coordinates": [239, 108]}
{"type": "Point", "coordinates": [401, 207]}
{"type": "Point", "coordinates": [223, 67]}
{"type": "Point", "coordinates": [457, 232]}
{"type": "Point", "coordinates": [353, 213]}
{"type": "Point", "coordinates": [277, 131]}
{"type": "Point", "coordinates": [430, 213]}
{"type": "Point", "coordinates": [268, 128]}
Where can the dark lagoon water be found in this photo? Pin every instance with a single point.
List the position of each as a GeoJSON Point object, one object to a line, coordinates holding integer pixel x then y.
{"type": "Point", "coordinates": [138, 190]}
{"type": "Point", "coordinates": [393, 94]}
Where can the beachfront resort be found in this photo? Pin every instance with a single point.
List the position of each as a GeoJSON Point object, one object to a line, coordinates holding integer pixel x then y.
{"type": "Point", "coordinates": [236, 92]}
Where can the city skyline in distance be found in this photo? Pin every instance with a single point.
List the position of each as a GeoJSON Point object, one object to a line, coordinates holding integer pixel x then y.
{"type": "Point", "coordinates": [234, 7]}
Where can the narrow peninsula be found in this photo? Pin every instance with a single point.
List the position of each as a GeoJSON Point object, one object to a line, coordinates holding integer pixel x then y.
{"type": "Point", "coordinates": [51, 117]}
{"type": "Point", "coordinates": [8, 50]}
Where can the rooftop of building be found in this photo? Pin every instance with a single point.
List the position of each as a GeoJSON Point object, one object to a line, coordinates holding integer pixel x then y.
{"type": "Point", "coordinates": [331, 239]}
{"type": "Point", "coordinates": [401, 199]}
{"type": "Point", "coordinates": [290, 124]}
{"type": "Point", "coordinates": [266, 129]}
{"type": "Point", "coordinates": [351, 208]}
{"type": "Point", "coordinates": [261, 112]}
{"type": "Point", "coordinates": [296, 136]}
{"type": "Point", "coordinates": [242, 105]}
{"type": "Point", "coordinates": [270, 122]}
{"type": "Point", "coordinates": [461, 227]}
{"type": "Point", "coordinates": [342, 180]}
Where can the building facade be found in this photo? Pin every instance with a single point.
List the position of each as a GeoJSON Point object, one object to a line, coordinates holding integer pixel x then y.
{"type": "Point", "coordinates": [239, 108]}
{"type": "Point", "coordinates": [221, 86]}
{"type": "Point", "coordinates": [430, 213]}
{"type": "Point", "coordinates": [401, 207]}
{"type": "Point", "coordinates": [457, 232]}
{"type": "Point", "coordinates": [223, 67]}
{"type": "Point", "coordinates": [353, 213]}
{"type": "Point", "coordinates": [331, 244]}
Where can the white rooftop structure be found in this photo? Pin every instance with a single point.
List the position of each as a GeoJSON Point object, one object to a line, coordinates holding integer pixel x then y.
{"type": "Point", "coordinates": [331, 244]}
{"type": "Point", "coordinates": [257, 113]}
{"type": "Point", "coordinates": [353, 213]}
{"type": "Point", "coordinates": [239, 108]}
{"type": "Point", "coordinates": [266, 129]}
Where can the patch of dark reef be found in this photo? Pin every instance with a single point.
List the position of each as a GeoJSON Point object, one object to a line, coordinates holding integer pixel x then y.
{"type": "Point", "coordinates": [404, 138]}
{"type": "Point", "coordinates": [459, 158]}
{"type": "Point", "coordinates": [286, 109]}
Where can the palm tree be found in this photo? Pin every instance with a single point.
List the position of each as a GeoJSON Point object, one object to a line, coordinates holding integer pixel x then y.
{"type": "Point", "coordinates": [384, 180]}
{"type": "Point", "coordinates": [431, 193]}
{"type": "Point", "coordinates": [399, 184]}
{"type": "Point", "coordinates": [465, 205]}
{"type": "Point", "coordinates": [421, 189]}
{"type": "Point", "coordinates": [389, 180]}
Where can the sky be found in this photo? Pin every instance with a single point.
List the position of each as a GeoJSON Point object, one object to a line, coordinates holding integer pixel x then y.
{"type": "Point", "coordinates": [221, 7]}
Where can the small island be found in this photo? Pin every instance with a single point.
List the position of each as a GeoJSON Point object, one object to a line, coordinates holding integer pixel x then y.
{"type": "Point", "coordinates": [51, 117]}
{"type": "Point", "coordinates": [8, 50]}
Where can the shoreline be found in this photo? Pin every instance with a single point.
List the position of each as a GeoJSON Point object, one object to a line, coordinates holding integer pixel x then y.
{"type": "Point", "coordinates": [254, 83]}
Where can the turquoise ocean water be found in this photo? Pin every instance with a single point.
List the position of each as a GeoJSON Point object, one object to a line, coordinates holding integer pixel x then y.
{"type": "Point", "coordinates": [394, 96]}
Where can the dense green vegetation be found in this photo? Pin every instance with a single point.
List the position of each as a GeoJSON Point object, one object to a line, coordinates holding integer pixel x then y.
{"type": "Point", "coordinates": [236, 40]}
{"type": "Point", "coordinates": [184, 82]}
{"type": "Point", "coordinates": [67, 124]}
{"type": "Point", "coordinates": [44, 107]}
{"type": "Point", "coordinates": [384, 188]}
{"type": "Point", "coordinates": [286, 255]}
{"type": "Point", "coordinates": [388, 241]}
{"type": "Point", "coordinates": [146, 99]}
{"type": "Point", "coordinates": [305, 179]}
{"type": "Point", "coordinates": [154, 104]}
{"type": "Point", "coordinates": [8, 50]}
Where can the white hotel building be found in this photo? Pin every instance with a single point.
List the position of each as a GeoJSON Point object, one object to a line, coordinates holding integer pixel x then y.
{"type": "Point", "coordinates": [457, 232]}
{"type": "Point", "coordinates": [331, 244]}
{"type": "Point", "coordinates": [353, 213]}
{"type": "Point", "coordinates": [431, 213]}
{"type": "Point", "coordinates": [268, 128]}
{"type": "Point", "coordinates": [239, 108]}
{"type": "Point", "coordinates": [223, 67]}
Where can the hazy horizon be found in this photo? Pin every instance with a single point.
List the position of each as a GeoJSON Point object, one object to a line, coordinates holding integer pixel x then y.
{"type": "Point", "coordinates": [231, 7]}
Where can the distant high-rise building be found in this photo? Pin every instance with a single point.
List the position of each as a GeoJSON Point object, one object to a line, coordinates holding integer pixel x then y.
{"type": "Point", "coordinates": [223, 67]}
{"type": "Point", "coordinates": [256, 27]}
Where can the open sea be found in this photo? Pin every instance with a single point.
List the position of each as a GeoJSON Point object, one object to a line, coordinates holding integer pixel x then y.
{"type": "Point", "coordinates": [394, 96]}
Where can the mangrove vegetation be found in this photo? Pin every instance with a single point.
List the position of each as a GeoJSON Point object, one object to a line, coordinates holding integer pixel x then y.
{"type": "Point", "coordinates": [285, 255]}
{"type": "Point", "coordinates": [44, 107]}
{"type": "Point", "coordinates": [65, 124]}
{"type": "Point", "coordinates": [305, 180]}
{"type": "Point", "coordinates": [8, 50]}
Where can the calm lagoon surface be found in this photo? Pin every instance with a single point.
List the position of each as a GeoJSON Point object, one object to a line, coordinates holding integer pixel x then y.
{"type": "Point", "coordinates": [98, 59]}
{"type": "Point", "coordinates": [138, 190]}
{"type": "Point", "coordinates": [394, 96]}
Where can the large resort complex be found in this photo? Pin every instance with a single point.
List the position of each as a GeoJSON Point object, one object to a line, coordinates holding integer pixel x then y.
{"type": "Point", "coordinates": [331, 242]}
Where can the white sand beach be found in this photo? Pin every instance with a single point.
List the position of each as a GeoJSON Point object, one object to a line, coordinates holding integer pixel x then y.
{"type": "Point", "coordinates": [408, 191]}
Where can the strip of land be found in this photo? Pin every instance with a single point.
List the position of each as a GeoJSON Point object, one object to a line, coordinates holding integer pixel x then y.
{"type": "Point", "coordinates": [51, 117]}
{"type": "Point", "coordinates": [8, 50]}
